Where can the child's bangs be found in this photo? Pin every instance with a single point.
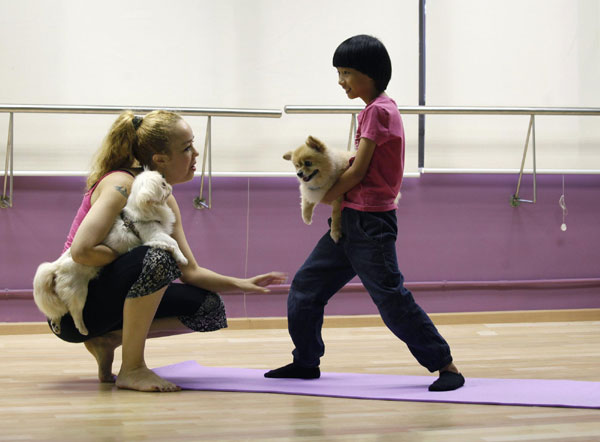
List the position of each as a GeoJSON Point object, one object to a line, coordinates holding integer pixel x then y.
{"type": "Point", "coordinates": [343, 57]}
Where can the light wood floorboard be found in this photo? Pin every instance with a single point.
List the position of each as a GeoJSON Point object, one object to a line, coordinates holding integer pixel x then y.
{"type": "Point", "coordinates": [49, 391]}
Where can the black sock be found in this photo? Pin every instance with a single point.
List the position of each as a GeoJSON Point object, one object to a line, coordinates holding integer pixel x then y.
{"type": "Point", "coordinates": [448, 381]}
{"type": "Point", "coordinates": [294, 371]}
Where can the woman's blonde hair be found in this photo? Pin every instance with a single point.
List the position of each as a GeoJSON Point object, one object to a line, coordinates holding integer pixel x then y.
{"type": "Point", "coordinates": [132, 141]}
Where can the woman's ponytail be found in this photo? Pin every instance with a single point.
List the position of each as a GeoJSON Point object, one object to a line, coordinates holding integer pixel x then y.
{"type": "Point", "coordinates": [132, 141]}
{"type": "Point", "coordinates": [117, 150]}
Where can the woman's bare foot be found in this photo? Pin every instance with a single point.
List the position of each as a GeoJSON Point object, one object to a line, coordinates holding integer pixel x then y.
{"type": "Point", "coordinates": [103, 349]}
{"type": "Point", "coordinates": [143, 379]}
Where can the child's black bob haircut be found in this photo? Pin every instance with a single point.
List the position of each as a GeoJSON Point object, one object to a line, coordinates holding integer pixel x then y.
{"type": "Point", "coordinates": [368, 55]}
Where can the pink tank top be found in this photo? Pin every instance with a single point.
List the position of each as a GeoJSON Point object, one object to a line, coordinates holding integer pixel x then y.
{"type": "Point", "coordinates": [85, 207]}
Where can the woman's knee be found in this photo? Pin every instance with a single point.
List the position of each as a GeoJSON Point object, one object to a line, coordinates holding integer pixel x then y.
{"type": "Point", "coordinates": [213, 304]}
{"type": "Point", "coordinates": [210, 316]}
{"type": "Point", "coordinates": [160, 260]}
{"type": "Point", "coordinates": [159, 269]}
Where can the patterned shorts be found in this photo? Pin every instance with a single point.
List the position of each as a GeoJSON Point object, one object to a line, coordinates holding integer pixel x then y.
{"type": "Point", "coordinates": [159, 270]}
{"type": "Point", "coordinates": [209, 317]}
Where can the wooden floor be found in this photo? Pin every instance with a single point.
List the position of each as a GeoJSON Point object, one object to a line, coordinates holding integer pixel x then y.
{"type": "Point", "coordinates": [49, 392]}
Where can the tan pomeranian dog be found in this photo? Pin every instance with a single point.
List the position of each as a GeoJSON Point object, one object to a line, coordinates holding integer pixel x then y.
{"type": "Point", "coordinates": [61, 286]}
{"type": "Point", "coordinates": [317, 169]}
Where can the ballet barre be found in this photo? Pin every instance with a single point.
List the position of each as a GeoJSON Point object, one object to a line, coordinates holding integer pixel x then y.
{"type": "Point", "coordinates": [532, 112]}
{"type": "Point", "coordinates": [6, 199]}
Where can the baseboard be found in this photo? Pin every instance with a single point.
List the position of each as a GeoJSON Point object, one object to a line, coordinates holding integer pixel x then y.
{"type": "Point", "coordinates": [437, 318]}
{"type": "Point", "coordinates": [24, 328]}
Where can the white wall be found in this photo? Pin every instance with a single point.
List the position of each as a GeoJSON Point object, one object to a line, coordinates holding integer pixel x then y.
{"type": "Point", "coordinates": [271, 53]}
{"type": "Point", "coordinates": [513, 53]}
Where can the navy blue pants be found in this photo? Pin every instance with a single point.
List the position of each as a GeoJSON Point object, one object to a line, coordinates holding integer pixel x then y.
{"type": "Point", "coordinates": [367, 249]}
{"type": "Point", "coordinates": [140, 272]}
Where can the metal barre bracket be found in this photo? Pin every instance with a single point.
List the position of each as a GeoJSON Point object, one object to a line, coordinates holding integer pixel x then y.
{"type": "Point", "coordinates": [200, 201]}
{"type": "Point", "coordinates": [515, 200]}
{"type": "Point", "coordinates": [6, 200]}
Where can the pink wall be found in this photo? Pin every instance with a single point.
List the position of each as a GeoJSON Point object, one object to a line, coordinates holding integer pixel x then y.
{"type": "Point", "coordinates": [452, 228]}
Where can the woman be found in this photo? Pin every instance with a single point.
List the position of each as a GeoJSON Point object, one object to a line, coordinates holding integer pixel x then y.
{"type": "Point", "coordinates": [133, 298]}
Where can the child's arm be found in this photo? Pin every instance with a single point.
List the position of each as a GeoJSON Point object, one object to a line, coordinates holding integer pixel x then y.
{"type": "Point", "coordinates": [354, 174]}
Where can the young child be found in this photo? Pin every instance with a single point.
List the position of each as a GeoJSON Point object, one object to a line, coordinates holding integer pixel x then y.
{"type": "Point", "coordinates": [369, 229]}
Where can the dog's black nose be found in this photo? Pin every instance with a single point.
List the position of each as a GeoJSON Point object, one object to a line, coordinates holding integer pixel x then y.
{"type": "Point", "coordinates": [300, 174]}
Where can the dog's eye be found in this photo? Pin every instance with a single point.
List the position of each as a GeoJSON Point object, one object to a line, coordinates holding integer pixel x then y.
{"type": "Point", "coordinates": [308, 163]}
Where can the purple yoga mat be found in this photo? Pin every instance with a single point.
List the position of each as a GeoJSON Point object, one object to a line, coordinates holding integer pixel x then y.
{"type": "Point", "coordinates": [190, 375]}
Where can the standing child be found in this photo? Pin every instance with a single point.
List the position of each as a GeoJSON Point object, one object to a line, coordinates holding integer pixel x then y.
{"type": "Point", "coordinates": [369, 229]}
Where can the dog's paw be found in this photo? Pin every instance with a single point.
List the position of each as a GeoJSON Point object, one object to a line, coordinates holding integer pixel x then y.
{"type": "Point", "coordinates": [171, 248]}
{"type": "Point", "coordinates": [180, 258]}
{"type": "Point", "coordinates": [55, 326]}
{"type": "Point", "coordinates": [160, 245]}
{"type": "Point", "coordinates": [79, 324]}
{"type": "Point", "coordinates": [335, 236]}
{"type": "Point", "coordinates": [307, 219]}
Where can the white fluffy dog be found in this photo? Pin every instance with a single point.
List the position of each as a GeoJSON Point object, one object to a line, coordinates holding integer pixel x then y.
{"type": "Point", "coordinates": [62, 286]}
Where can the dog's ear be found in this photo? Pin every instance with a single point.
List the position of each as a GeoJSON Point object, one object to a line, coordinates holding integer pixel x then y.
{"type": "Point", "coordinates": [144, 196]}
{"type": "Point", "coordinates": [315, 144]}
{"type": "Point", "coordinates": [288, 156]}
{"type": "Point", "coordinates": [146, 188]}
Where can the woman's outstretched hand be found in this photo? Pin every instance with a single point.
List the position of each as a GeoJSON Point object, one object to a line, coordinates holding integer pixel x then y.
{"type": "Point", "coordinates": [259, 283]}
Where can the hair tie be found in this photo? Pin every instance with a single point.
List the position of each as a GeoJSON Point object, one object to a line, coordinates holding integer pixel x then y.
{"type": "Point", "coordinates": [137, 122]}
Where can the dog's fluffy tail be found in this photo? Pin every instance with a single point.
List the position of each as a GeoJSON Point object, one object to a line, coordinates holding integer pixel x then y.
{"type": "Point", "coordinates": [44, 295]}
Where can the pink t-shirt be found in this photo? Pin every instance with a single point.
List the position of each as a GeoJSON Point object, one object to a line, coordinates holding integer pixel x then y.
{"type": "Point", "coordinates": [85, 207]}
{"type": "Point", "coordinates": [380, 122]}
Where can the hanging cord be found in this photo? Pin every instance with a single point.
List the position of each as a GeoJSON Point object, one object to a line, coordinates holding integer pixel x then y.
{"type": "Point", "coordinates": [563, 206]}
